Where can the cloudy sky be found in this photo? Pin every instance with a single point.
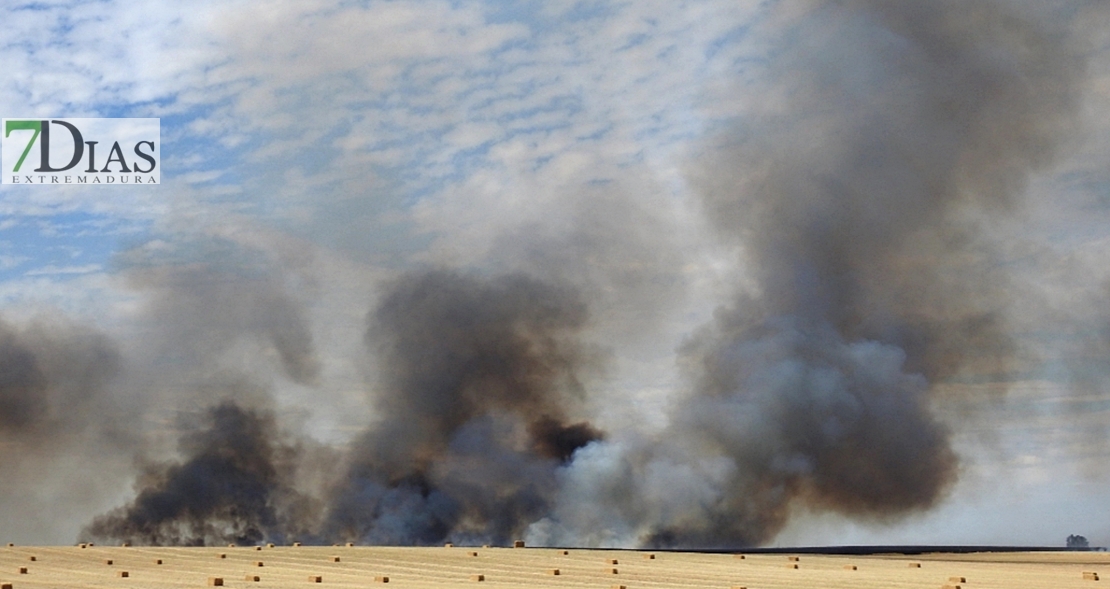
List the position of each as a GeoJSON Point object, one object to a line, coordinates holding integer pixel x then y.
{"type": "Point", "coordinates": [314, 151]}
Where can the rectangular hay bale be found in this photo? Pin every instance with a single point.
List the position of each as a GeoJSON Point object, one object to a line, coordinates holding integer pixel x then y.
{"type": "Point", "coordinates": [296, 545]}
{"type": "Point", "coordinates": [315, 579]}
{"type": "Point", "coordinates": [124, 574]}
{"type": "Point", "coordinates": [957, 579]}
{"type": "Point", "coordinates": [1090, 576]}
{"type": "Point", "coordinates": [914, 565]}
{"type": "Point", "coordinates": [252, 578]}
{"type": "Point", "coordinates": [850, 567]}
{"type": "Point", "coordinates": [477, 578]}
{"type": "Point", "coordinates": [215, 581]}
{"type": "Point", "coordinates": [381, 579]}
{"type": "Point", "coordinates": [23, 570]}
{"type": "Point", "coordinates": [335, 559]}
{"type": "Point", "coordinates": [5, 586]}
{"type": "Point", "coordinates": [472, 554]}
{"type": "Point", "coordinates": [649, 557]}
{"type": "Point", "coordinates": [793, 558]}
{"type": "Point", "coordinates": [613, 561]}
{"type": "Point", "coordinates": [554, 572]}
{"type": "Point", "coordinates": [158, 561]}
{"type": "Point", "coordinates": [518, 544]}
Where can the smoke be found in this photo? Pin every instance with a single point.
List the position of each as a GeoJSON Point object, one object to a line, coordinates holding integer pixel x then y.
{"type": "Point", "coordinates": [231, 487]}
{"type": "Point", "coordinates": [52, 377]}
{"type": "Point", "coordinates": [895, 131]}
{"type": "Point", "coordinates": [857, 203]}
{"type": "Point", "coordinates": [479, 379]}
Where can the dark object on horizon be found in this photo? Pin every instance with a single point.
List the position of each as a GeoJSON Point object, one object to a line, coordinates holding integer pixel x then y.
{"type": "Point", "coordinates": [1076, 541]}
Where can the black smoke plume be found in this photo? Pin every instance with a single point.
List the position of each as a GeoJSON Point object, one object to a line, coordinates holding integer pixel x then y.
{"type": "Point", "coordinates": [230, 486]}
{"type": "Point", "coordinates": [479, 378]}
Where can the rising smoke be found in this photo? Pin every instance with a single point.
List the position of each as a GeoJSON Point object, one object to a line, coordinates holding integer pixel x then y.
{"type": "Point", "coordinates": [230, 487]}
{"type": "Point", "coordinates": [855, 199]}
{"type": "Point", "coordinates": [855, 204]}
{"type": "Point", "coordinates": [479, 380]}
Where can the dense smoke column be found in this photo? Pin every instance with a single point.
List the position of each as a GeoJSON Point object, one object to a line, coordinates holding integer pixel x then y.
{"type": "Point", "coordinates": [902, 126]}
{"type": "Point", "coordinates": [228, 488]}
{"type": "Point", "coordinates": [479, 376]}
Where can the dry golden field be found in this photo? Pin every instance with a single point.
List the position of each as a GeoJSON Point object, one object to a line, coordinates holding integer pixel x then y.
{"type": "Point", "coordinates": [349, 567]}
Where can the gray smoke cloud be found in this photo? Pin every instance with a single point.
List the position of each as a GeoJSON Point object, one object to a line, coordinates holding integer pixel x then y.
{"type": "Point", "coordinates": [897, 129]}
{"type": "Point", "coordinates": [60, 413]}
{"type": "Point", "coordinates": [480, 377]}
{"type": "Point", "coordinates": [53, 380]}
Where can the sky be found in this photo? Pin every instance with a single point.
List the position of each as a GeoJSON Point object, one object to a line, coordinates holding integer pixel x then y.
{"type": "Point", "coordinates": [652, 156]}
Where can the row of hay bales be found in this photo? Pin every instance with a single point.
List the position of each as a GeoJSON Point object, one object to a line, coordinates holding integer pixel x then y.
{"type": "Point", "coordinates": [611, 564]}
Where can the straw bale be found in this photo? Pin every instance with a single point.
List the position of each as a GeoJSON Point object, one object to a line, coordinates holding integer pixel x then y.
{"type": "Point", "coordinates": [124, 574]}
{"type": "Point", "coordinates": [1090, 576]}
{"type": "Point", "coordinates": [315, 579]}
{"type": "Point", "coordinates": [252, 578]}
{"type": "Point", "coordinates": [477, 578]}
{"type": "Point", "coordinates": [518, 544]}
{"type": "Point", "coordinates": [215, 581]}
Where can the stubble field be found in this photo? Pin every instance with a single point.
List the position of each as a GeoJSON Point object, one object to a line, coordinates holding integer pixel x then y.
{"type": "Point", "coordinates": [350, 567]}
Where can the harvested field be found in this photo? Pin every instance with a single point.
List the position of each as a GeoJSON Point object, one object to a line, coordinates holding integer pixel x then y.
{"type": "Point", "coordinates": [303, 566]}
